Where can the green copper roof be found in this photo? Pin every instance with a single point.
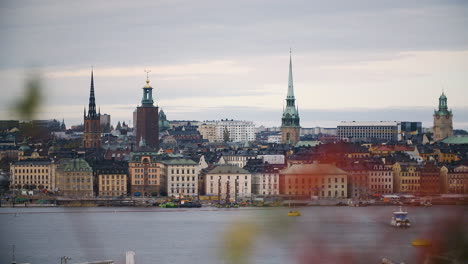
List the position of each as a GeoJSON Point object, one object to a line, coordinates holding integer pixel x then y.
{"type": "Point", "coordinates": [77, 165]}
{"type": "Point", "coordinates": [443, 108]}
{"type": "Point", "coordinates": [456, 140]}
{"type": "Point", "coordinates": [180, 162]}
{"type": "Point", "coordinates": [227, 169]}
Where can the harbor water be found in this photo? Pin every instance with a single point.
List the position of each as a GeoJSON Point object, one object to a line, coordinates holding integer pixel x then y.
{"type": "Point", "coordinates": [322, 234]}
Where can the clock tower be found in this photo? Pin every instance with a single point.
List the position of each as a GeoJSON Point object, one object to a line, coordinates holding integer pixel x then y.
{"type": "Point", "coordinates": [443, 126]}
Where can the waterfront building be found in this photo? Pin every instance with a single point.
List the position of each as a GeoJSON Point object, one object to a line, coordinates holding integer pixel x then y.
{"type": "Point", "coordinates": [322, 180]}
{"type": "Point", "coordinates": [265, 177]}
{"type": "Point", "coordinates": [369, 131]}
{"type": "Point", "coordinates": [32, 174]}
{"type": "Point", "coordinates": [380, 179]}
{"type": "Point", "coordinates": [146, 173]}
{"type": "Point", "coordinates": [290, 127]}
{"type": "Point", "coordinates": [443, 126]}
{"type": "Point", "coordinates": [357, 180]}
{"type": "Point", "coordinates": [454, 179]}
{"type": "Point", "coordinates": [182, 177]}
{"type": "Point", "coordinates": [227, 181]}
{"type": "Point", "coordinates": [112, 181]}
{"type": "Point", "coordinates": [147, 119]}
{"type": "Point", "coordinates": [92, 122]}
{"type": "Point", "coordinates": [406, 178]}
{"type": "Point", "coordinates": [75, 178]}
{"type": "Point", "coordinates": [431, 179]}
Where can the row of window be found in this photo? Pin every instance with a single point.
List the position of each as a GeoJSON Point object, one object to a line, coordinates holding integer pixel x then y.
{"type": "Point", "coordinates": [182, 178]}
{"type": "Point", "coordinates": [31, 170]}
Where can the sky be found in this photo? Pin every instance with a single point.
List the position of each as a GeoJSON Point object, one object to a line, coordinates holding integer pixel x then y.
{"type": "Point", "coordinates": [352, 60]}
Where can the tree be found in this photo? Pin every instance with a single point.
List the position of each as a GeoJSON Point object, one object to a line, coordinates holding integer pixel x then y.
{"type": "Point", "coordinates": [226, 135]}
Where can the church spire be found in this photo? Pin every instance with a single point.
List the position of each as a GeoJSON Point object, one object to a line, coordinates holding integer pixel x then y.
{"type": "Point", "coordinates": [92, 100]}
{"type": "Point", "coordinates": [290, 80]}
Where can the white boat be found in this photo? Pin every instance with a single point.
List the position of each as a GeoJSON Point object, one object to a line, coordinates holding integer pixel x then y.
{"type": "Point", "coordinates": [400, 218]}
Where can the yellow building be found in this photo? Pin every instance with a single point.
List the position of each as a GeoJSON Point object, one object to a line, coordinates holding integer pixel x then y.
{"type": "Point", "coordinates": [75, 178]}
{"type": "Point", "coordinates": [147, 174]}
{"type": "Point", "coordinates": [323, 180]}
{"type": "Point", "coordinates": [33, 175]}
{"type": "Point", "coordinates": [208, 131]}
{"type": "Point", "coordinates": [407, 178]}
{"type": "Point", "coordinates": [444, 156]}
{"type": "Point", "coordinates": [112, 182]}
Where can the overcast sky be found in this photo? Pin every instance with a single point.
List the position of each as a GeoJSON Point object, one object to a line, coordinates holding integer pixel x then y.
{"type": "Point", "coordinates": [352, 60]}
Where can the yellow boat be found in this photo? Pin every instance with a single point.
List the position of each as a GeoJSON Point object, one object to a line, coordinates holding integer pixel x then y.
{"type": "Point", "coordinates": [421, 243]}
{"type": "Point", "coordinates": [294, 213]}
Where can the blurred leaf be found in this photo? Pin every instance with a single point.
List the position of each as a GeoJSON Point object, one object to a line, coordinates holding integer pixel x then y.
{"type": "Point", "coordinates": [27, 106]}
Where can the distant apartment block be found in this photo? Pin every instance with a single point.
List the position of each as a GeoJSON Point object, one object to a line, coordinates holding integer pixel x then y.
{"type": "Point", "coordinates": [369, 131]}
{"type": "Point", "coordinates": [236, 130]}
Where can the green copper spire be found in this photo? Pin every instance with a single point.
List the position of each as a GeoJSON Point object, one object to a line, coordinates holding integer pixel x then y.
{"type": "Point", "coordinates": [443, 107]}
{"type": "Point", "coordinates": [290, 113]}
{"type": "Point", "coordinates": [147, 99]}
{"type": "Point", "coordinates": [290, 80]}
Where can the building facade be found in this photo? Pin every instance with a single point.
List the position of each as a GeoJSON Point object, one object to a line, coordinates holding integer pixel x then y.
{"type": "Point", "coordinates": [208, 131]}
{"type": "Point", "coordinates": [147, 119]}
{"type": "Point", "coordinates": [431, 179]}
{"type": "Point", "coordinates": [228, 182]}
{"type": "Point", "coordinates": [32, 175]}
{"type": "Point", "coordinates": [75, 178]}
{"type": "Point", "coordinates": [443, 126]}
{"type": "Point", "coordinates": [92, 122]}
{"type": "Point", "coordinates": [406, 178]}
{"type": "Point", "coordinates": [112, 182]}
{"type": "Point", "coordinates": [322, 180]}
{"type": "Point", "coordinates": [182, 177]}
{"type": "Point", "coordinates": [290, 122]}
{"type": "Point", "coordinates": [146, 173]}
{"type": "Point", "coordinates": [380, 179]}
{"type": "Point", "coordinates": [369, 131]}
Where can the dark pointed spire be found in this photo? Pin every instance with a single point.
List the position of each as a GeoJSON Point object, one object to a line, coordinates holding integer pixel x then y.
{"type": "Point", "coordinates": [92, 100]}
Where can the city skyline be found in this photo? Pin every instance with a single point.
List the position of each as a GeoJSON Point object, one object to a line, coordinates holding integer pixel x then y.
{"type": "Point", "coordinates": [210, 65]}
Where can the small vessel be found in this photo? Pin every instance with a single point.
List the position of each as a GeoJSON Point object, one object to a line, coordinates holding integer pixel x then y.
{"type": "Point", "coordinates": [294, 213]}
{"type": "Point", "coordinates": [421, 243]}
{"type": "Point", "coordinates": [400, 218]}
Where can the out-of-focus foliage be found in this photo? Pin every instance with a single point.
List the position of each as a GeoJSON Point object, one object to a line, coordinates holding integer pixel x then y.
{"type": "Point", "coordinates": [27, 106]}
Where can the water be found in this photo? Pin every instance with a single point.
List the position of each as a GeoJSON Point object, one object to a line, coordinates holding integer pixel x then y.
{"type": "Point", "coordinates": [209, 235]}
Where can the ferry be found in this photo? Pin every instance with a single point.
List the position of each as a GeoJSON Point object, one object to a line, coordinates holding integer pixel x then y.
{"type": "Point", "coordinates": [400, 218]}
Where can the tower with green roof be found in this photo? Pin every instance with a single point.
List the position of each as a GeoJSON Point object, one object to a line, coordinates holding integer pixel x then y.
{"type": "Point", "coordinates": [443, 125]}
{"type": "Point", "coordinates": [290, 127]}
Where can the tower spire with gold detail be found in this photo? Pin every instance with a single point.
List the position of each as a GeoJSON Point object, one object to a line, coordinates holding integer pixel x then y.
{"type": "Point", "coordinates": [147, 99]}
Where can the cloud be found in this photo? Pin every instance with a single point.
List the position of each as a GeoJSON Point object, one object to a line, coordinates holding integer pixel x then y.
{"type": "Point", "coordinates": [190, 71]}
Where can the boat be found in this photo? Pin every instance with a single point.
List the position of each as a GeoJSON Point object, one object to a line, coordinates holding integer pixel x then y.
{"type": "Point", "coordinates": [421, 243]}
{"type": "Point", "coordinates": [294, 213]}
{"type": "Point", "coordinates": [400, 218]}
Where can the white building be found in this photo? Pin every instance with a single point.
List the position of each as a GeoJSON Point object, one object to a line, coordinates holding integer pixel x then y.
{"type": "Point", "coordinates": [239, 131]}
{"type": "Point", "coordinates": [272, 159]}
{"type": "Point", "coordinates": [265, 179]}
{"type": "Point", "coordinates": [182, 177]}
{"type": "Point", "coordinates": [365, 131]}
{"type": "Point", "coordinates": [222, 179]}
